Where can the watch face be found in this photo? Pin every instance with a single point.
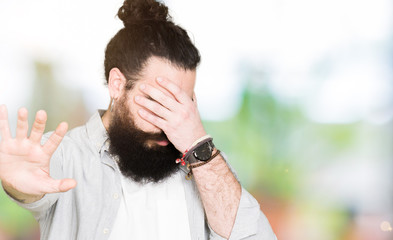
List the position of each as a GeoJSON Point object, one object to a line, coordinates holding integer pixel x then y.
{"type": "Point", "coordinates": [203, 152]}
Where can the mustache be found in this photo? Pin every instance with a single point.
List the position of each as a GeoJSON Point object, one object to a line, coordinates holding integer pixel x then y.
{"type": "Point", "coordinates": [160, 136]}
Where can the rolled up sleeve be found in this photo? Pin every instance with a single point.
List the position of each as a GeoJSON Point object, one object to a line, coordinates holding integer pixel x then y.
{"type": "Point", "coordinates": [250, 222]}
{"type": "Point", "coordinates": [38, 207]}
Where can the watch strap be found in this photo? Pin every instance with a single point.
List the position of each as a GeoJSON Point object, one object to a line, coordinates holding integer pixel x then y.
{"type": "Point", "coordinates": [189, 156]}
{"type": "Point", "coordinates": [189, 152]}
{"type": "Point", "coordinates": [192, 159]}
{"type": "Point", "coordinates": [192, 166]}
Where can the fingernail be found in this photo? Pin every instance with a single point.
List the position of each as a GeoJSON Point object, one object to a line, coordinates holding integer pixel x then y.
{"type": "Point", "coordinates": [137, 98]}
{"type": "Point", "coordinates": [159, 79]}
{"type": "Point", "coordinates": [143, 86]}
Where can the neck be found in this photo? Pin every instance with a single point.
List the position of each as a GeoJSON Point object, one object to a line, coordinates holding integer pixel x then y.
{"type": "Point", "coordinates": [106, 119]}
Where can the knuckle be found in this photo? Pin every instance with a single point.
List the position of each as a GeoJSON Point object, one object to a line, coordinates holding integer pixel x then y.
{"type": "Point", "coordinates": [52, 141]}
{"type": "Point", "coordinates": [55, 139]}
{"type": "Point", "coordinates": [41, 121]}
{"type": "Point", "coordinates": [151, 117]}
{"type": "Point", "coordinates": [39, 126]}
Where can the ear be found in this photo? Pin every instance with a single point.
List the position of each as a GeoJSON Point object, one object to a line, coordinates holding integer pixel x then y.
{"type": "Point", "coordinates": [116, 83]}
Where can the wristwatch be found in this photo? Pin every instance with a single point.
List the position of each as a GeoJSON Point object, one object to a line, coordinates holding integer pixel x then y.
{"type": "Point", "coordinates": [201, 153]}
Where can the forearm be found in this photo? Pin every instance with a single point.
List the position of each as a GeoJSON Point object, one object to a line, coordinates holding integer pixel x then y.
{"type": "Point", "coordinates": [19, 196]}
{"type": "Point", "coordinates": [220, 192]}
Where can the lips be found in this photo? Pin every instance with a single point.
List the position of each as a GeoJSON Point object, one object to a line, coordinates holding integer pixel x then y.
{"type": "Point", "coordinates": [163, 142]}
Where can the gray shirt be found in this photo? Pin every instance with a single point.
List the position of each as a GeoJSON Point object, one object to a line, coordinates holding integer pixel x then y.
{"type": "Point", "coordinates": [89, 210]}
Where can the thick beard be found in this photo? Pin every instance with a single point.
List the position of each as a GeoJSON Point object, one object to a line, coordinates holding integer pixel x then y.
{"type": "Point", "coordinates": [137, 160]}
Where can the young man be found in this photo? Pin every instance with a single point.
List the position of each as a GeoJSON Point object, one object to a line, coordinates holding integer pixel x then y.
{"type": "Point", "coordinates": [143, 169]}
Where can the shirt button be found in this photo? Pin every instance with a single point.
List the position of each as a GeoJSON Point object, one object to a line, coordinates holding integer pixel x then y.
{"type": "Point", "coordinates": [115, 196]}
{"type": "Point", "coordinates": [106, 230]}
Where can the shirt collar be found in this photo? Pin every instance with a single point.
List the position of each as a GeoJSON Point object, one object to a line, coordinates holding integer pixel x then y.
{"type": "Point", "coordinates": [97, 132]}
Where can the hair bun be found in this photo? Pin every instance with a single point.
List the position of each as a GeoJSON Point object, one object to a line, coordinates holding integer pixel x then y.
{"type": "Point", "coordinates": [134, 11]}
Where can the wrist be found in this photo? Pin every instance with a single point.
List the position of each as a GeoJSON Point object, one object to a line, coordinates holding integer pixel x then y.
{"type": "Point", "coordinates": [19, 196]}
{"type": "Point", "coordinates": [190, 167]}
{"type": "Point", "coordinates": [201, 149]}
{"type": "Point", "coordinates": [215, 153]}
{"type": "Point", "coordinates": [193, 139]}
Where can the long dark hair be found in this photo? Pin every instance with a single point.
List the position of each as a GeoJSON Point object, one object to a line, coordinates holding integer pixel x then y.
{"type": "Point", "coordinates": [148, 31]}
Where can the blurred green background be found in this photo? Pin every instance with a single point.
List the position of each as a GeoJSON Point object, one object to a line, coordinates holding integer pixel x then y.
{"type": "Point", "coordinates": [298, 94]}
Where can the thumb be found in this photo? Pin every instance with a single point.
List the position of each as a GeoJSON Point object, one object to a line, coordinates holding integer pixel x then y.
{"type": "Point", "coordinates": [55, 186]}
{"type": "Point", "coordinates": [67, 184]}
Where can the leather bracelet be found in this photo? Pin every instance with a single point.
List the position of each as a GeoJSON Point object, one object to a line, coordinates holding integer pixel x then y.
{"type": "Point", "coordinates": [189, 151]}
{"type": "Point", "coordinates": [192, 166]}
{"type": "Point", "coordinates": [200, 143]}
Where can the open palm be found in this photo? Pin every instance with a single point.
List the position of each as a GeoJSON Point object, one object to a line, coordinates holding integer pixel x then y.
{"type": "Point", "coordinates": [24, 162]}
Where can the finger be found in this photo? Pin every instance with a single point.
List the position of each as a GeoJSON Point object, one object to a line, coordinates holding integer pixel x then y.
{"type": "Point", "coordinates": [67, 184]}
{"type": "Point", "coordinates": [5, 132]}
{"type": "Point", "coordinates": [55, 139]}
{"type": "Point", "coordinates": [22, 125]}
{"type": "Point", "coordinates": [153, 106]}
{"type": "Point", "coordinates": [158, 96]}
{"type": "Point", "coordinates": [156, 121]}
{"type": "Point", "coordinates": [56, 186]}
{"type": "Point", "coordinates": [38, 126]}
{"type": "Point", "coordinates": [175, 90]}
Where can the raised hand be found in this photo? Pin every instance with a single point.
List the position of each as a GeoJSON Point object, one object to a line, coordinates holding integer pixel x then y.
{"type": "Point", "coordinates": [178, 117]}
{"type": "Point", "coordinates": [24, 162]}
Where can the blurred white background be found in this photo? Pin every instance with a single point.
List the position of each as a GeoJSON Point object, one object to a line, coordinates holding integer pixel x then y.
{"type": "Point", "coordinates": [332, 59]}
